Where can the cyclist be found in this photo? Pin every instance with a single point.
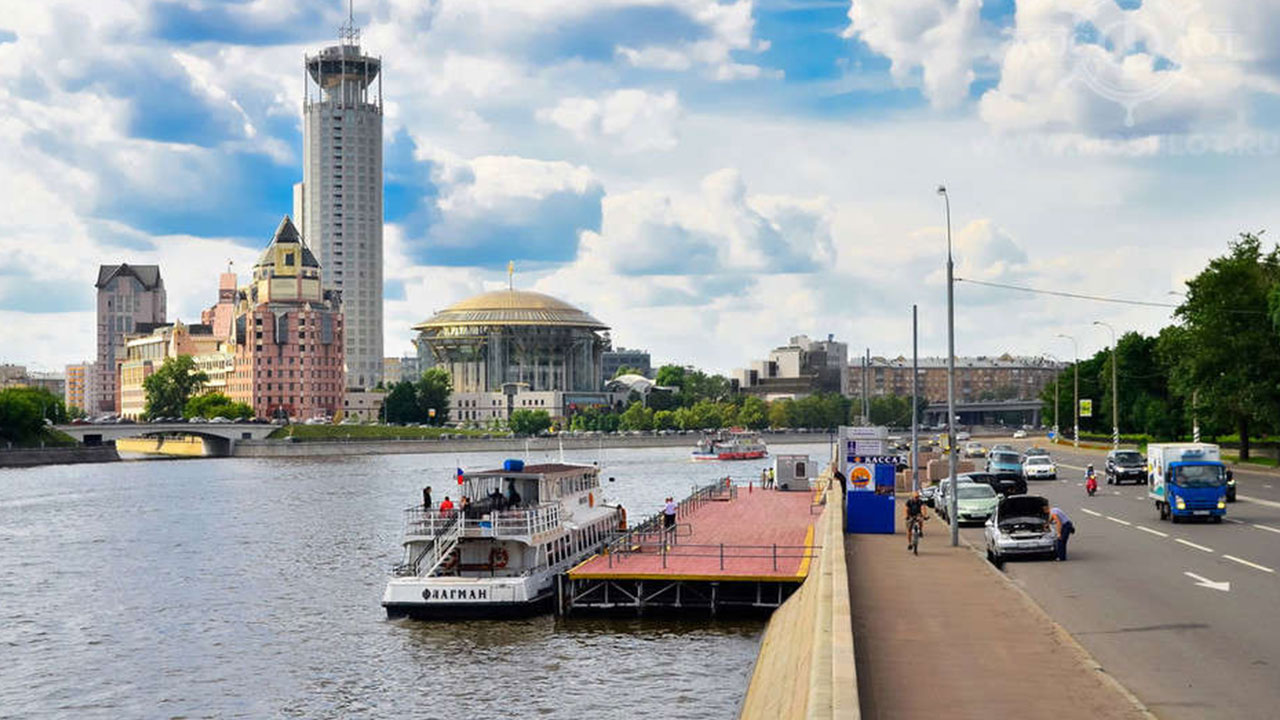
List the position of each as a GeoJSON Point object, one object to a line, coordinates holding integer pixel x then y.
{"type": "Point", "coordinates": [915, 517]}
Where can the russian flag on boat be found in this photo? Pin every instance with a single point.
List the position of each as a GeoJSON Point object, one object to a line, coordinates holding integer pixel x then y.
{"type": "Point", "coordinates": [460, 475]}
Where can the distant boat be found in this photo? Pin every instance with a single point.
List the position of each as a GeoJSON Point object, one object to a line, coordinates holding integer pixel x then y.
{"type": "Point", "coordinates": [500, 557]}
{"type": "Point", "coordinates": [732, 444]}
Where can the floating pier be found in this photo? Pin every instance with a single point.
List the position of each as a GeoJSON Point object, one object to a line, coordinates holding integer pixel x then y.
{"type": "Point", "coordinates": [733, 547]}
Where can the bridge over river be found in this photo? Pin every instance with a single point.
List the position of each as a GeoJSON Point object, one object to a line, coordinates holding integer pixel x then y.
{"type": "Point", "coordinates": [219, 438]}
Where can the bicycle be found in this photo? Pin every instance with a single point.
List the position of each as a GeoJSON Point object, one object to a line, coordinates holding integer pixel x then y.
{"type": "Point", "coordinates": [915, 528]}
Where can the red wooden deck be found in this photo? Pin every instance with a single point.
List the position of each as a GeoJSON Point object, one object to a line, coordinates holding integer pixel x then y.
{"type": "Point", "coordinates": [748, 527]}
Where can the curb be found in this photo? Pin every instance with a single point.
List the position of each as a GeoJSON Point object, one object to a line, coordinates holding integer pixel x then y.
{"type": "Point", "coordinates": [1084, 655]}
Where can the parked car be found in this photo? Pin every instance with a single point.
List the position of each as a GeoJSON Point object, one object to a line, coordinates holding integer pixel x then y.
{"type": "Point", "coordinates": [1020, 527]}
{"type": "Point", "coordinates": [1019, 434]}
{"type": "Point", "coordinates": [927, 494]}
{"type": "Point", "coordinates": [1125, 465]}
{"type": "Point", "coordinates": [1004, 463]}
{"type": "Point", "coordinates": [974, 449]}
{"type": "Point", "coordinates": [1002, 484]}
{"type": "Point", "coordinates": [975, 502]}
{"type": "Point", "coordinates": [1034, 451]}
{"type": "Point", "coordinates": [1039, 467]}
{"type": "Point", "coordinates": [963, 436]}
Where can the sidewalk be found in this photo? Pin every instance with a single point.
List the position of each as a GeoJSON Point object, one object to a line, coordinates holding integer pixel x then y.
{"type": "Point", "coordinates": [943, 634]}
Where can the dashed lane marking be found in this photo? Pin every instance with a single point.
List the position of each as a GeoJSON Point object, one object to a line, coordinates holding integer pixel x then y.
{"type": "Point", "coordinates": [1118, 520]}
{"type": "Point", "coordinates": [1087, 510]}
{"type": "Point", "coordinates": [1188, 543]}
{"type": "Point", "coordinates": [1255, 566]}
{"type": "Point", "coordinates": [1234, 521]}
{"type": "Point", "coordinates": [1153, 532]}
{"type": "Point", "coordinates": [1267, 528]}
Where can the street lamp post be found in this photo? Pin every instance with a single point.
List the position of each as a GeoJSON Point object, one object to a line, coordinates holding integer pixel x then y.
{"type": "Point", "coordinates": [953, 511]}
{"type": "Point", "coordinates": [1056, 434]}
{"type": "Point", "coordinates": [1075, 439]}
{"type": "Point", "coordinates": [1115, 389]}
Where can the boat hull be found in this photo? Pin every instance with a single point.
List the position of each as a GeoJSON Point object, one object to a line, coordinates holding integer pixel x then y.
{"type": "Point", "coordinates": [542, 605]}
{"type": "Point", "coordinates": [747, 455]}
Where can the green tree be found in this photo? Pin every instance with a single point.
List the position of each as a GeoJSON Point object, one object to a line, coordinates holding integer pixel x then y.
{"type": "Point", "coordinates": [169, 388]}
{"type": "Point", "coordinates": [401, 404]}
{"type": "Point", "coordinates": [781, 413]}
{"type": "Point", "coordinates": [664, 420]}
{"type": "Point", "coordinates": [753, 413]}
{"type": "Point", "coordinates": [1220, 350]}
{"type": "Point", "coordinates": [891, 410]}
{"type": "Point", "coordinates": [214, 404]}
{"type": "Point", "coordinates": [636, 417]}
{"type": "Point", "coordinates": [705, 415]}
{"type": "Point", "coordinates": [433, 390]}
{"type": "Point", "coordinates": [529, 422]}
{"type": "Point", "coordinates": [23, 411]}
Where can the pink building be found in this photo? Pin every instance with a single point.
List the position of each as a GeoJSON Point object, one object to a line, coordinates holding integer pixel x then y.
{"type": "Point", "coordinates": [288, 334]}
{"type": "Point", "coordinates": [131, 300]}
{"type": "Point", "coordinates": [222, 316]}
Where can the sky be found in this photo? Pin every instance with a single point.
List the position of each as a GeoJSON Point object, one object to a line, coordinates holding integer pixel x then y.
{"type": "Point", "coordinates": [707, 177]}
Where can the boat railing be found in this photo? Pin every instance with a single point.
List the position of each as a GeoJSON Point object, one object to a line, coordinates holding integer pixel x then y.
{"type": "Point", "coordinates": [434, 535]}
{"type": "Point", "coordinates": [726, 553]}
{"type": "Point", "coordinates": [514, 523]}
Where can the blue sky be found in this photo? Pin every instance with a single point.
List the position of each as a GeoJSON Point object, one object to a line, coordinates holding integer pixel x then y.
{"type": "Point", "coordinates": [707, 176]}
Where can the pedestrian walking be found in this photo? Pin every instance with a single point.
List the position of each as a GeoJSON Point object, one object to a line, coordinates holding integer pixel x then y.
{"type": "Point", "coordinates": [426, 498]}
{"type": "Point", "coordinates": [1062, 523]}
{"type": "Point", "coordinates": [669, 513]}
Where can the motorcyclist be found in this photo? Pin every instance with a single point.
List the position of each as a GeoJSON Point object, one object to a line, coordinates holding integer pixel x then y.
{"type": "Point", "coordinates": [1090, 480]}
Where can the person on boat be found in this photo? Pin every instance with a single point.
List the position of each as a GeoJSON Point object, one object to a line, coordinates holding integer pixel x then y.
{"type": "Point", "coordinates": [496, 501]}
{"type": "Point", "coordinates": [465, 504]}
{"type": "Point", "coordinates": [446, 506]}
{"type": "Point", "coordinates": [426, 498]}
{"type": "Point", "coordinates": [513, 497]}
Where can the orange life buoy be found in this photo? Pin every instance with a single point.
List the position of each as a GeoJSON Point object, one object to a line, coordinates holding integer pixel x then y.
{"type": "Point", "coordinates": [498, 557]}
{"type": "Point", "coordinates": [591, 499]}
{"type": "Point", "coordinates": [622, 519]}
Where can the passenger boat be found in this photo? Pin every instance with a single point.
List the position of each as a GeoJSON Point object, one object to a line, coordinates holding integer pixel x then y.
{"type": "Point", "coordinates": [730, 445]}
{"type": "Point", "coordinates": [499, 557]}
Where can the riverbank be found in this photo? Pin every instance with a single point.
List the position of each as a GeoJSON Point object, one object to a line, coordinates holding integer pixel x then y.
{"type": "Point", "coordinates": [35, 457]}
{"type": "Point", "coordinates": [407, 446]}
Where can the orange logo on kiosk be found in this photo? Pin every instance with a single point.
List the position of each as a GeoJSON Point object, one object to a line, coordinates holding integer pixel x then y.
{"type": "Point", "coordinates": [860, 476]}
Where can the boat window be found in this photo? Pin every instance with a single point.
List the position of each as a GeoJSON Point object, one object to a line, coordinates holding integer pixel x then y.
{"type": "Point", "coordinates": [800, 470]}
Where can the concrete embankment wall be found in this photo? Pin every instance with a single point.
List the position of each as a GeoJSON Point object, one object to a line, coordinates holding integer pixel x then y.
{"type": "Point", "coordinates": [322, 448]}
{"type": "Point", "coordinates": [806, 666]}
{"type": "Point", "coordinates": [183, 446]}
{"type": "Point", "coordinates": [32, 457]}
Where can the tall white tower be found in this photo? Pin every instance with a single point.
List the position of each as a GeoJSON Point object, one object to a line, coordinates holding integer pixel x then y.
{"type": "Point", "coordinates": [338, 204]}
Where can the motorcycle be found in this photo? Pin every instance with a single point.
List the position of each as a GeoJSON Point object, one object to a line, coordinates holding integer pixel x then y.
{"type": "Point", "coordinates": [1091, 484]}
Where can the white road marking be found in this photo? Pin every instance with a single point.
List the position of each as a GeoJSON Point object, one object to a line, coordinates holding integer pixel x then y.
{"type": "Point", "coordinates": [1259, 501]}
{"type": "Point", "coordinates": [1077, 484]}
{"type": "Point", "coordinates": [1153, 532]}
{"type": "Point", "coordinates": [1267, 487]}
{"type": "Point", "coordinates": [1233, 520]}
{"type": "Point", "coordinates": [1207, 583]}
{"type": "Point", "coordinates": [1255, 566]}
{"type": "Point", "coordinates": [1188, 543]}
{"type": "Point", "coordinates": [1118, 520]}
{"type": "Point", "coordinates": [1095, 514]}
{"type": "Point", "coordinates": [1115, 492]}
{"type": "Point", "coordinates": [1266, 527]}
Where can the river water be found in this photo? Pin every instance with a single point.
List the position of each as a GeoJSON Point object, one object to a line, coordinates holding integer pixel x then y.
{"type": "Point", "coordinates": [251, 588]}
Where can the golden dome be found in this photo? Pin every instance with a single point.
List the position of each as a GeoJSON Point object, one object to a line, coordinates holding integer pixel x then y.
{"type": "Point", "coordinates": [511, 307]}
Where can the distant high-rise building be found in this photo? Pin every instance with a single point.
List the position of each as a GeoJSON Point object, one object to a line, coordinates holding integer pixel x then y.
{"type": "Point", "coordinates": [338, 204]}
{"type": "Point", "coordinates": [79, 388]}
{"type": "Point", "coordinates": [131, 299]}
{"type": "Point", "coordinates": [288, 335]}
{"type": "Point", "coordinates": [615, 360]}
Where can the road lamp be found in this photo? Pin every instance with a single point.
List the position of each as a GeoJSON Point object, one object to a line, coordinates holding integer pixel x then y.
{"type": "Point", "coordinates": [1075, 440]}
{"type": "Point", "coordinates": [953, 511]}
{"type": "Point", "coordinates": [1115, 389]}
{"type": "Point", "coordinates": [1056, 434]}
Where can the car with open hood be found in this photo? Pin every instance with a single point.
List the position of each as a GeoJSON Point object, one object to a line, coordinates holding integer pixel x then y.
{"type": "Point", "coordinates": [1020, 527]}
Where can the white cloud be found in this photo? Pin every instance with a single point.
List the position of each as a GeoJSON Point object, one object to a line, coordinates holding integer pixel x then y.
{"type": "Point", "coordinates": [940, 39]}
{"type": "Point", "coordinates": [624, 120]}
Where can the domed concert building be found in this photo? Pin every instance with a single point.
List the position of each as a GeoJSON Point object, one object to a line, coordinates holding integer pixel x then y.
{"type": "Point", "coordinates": [515, 349]}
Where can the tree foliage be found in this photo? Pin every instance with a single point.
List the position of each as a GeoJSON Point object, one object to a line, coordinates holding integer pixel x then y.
{"type": "Point", "coordinates": [529, 422]}
{"type": "Point", "coordinates": [432, 393]}
{"type": "Point", "coordinates": [214, 404]}
{"type": "Point", "coordinates": [169, 388]}
{"type": "Point", "coordinates": [23, 411]}
{"type": "Point", "coordinates": [400, 405]}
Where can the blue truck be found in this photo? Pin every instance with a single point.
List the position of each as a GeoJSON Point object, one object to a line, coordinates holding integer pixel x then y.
{"type": "Point", "coordinates": [1187, 480]}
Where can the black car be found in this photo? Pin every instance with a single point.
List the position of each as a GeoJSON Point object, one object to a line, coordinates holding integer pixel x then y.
{"type": "Point", "coordinates": [1125, 466]}
{"type": "Point", "coordinates": [1003, 483]}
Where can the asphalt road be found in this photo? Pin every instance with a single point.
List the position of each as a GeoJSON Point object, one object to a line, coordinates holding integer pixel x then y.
{"type": "Point", "coordinates": [1188, 647]}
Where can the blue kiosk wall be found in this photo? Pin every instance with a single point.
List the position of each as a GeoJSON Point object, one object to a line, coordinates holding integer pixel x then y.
{"type": "Point", "coordinates": [869, 508]}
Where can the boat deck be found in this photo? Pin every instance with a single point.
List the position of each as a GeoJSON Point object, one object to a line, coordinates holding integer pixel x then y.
{"type": "Point", "coordinates": [757, 535]}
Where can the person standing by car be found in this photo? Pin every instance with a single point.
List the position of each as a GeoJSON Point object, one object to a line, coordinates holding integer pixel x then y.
{"type": "Point", "coordinates": [1064, 527]}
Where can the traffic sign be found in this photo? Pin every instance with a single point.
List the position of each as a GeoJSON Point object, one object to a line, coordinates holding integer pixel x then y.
{"type": "Point", "coordinates": [1086, 408]}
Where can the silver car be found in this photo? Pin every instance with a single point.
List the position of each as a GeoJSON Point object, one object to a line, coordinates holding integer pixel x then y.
{"type": "Point", "coordinates": [1020, 527]}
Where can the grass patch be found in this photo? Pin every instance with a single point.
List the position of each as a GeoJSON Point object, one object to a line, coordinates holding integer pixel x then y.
{"type": "Point", "coordinates": [305, 433]}
{"type": "Point", "coordinates": [1254, 460]}
{"type": "Point", "coordinates": [47, 438]}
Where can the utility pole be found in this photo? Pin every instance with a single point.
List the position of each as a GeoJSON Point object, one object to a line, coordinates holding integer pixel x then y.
{"type": "Point", "coordinates": [953, 511]}
{"type": "Point", "coordinates": [866, 391]}
{"type": "Point", "coordinates": [1115, 389]}
{"type": "Point", "coordinates": [1195, 416]}
{"type": "Point", "coordinates": [1075, 364]}
{"type": "Point", "coordinates": [915, 387]}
